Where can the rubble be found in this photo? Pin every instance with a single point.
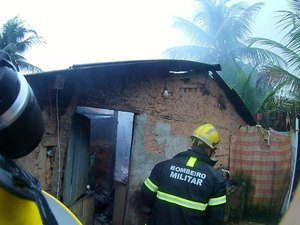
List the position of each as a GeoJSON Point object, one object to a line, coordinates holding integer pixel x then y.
{"type": "Point", "coordinates": [104, 201]}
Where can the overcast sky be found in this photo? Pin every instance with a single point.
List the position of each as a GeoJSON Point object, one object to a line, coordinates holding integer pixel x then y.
{"type": "Point", "coordinates": [78, 32]}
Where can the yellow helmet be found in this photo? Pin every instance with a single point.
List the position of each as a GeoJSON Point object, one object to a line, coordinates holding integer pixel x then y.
{"type": "Point", "coordinates": [208, 134]}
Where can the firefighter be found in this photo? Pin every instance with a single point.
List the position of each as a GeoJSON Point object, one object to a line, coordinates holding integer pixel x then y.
{"type": "Point", "coordinates": [22, 200]}
{"type": "Point", "coordinates": [186, 189]}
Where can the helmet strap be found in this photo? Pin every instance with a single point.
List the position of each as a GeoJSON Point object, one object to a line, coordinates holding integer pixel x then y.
{"type": "Point", "coordinates": [212, 152]}
{"type": "Point", "coordinates": [202, 148]}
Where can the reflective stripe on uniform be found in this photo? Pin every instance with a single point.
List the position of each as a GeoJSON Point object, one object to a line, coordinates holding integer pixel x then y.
{"type": "Point", "coordinates": [149, 184]}
{"type": "Point", "coordinates": [191, 162]}
{"type": "Point", "coordinates": [217, 201]}
{"type": "Point", "coordinates": [181, 201]}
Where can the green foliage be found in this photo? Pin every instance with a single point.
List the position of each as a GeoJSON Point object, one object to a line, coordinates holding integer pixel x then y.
{"type": "Point", "coordinates": [242, 78]}
{"type": "Point", "coordinates": [219, 33]}
{"type": "Point", "coordinates": [16, 39]}
{"type": "Point", "coordinates": [284, 82]}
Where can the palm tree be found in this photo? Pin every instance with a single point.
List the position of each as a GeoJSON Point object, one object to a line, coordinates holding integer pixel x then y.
{"type": "Point", "coordinates": [16, 39]}
{"type": "Point", "coordinates": [285, 80]}
{"type": "Point", "coordinates": [219, 31]}
{"type": "Point", "coordinates": [218, 34]}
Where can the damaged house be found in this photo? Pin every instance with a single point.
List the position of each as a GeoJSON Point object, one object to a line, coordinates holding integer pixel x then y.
{"type": "Point", "coordinates": [107, 124]}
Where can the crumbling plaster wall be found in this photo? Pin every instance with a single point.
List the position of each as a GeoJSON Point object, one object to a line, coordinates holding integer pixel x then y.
{"type": "Point", "coordinates": [192, 102]}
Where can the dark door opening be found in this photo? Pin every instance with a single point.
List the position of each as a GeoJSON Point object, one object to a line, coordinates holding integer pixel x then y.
{"type": "Point", "coordinates": [104, 168]}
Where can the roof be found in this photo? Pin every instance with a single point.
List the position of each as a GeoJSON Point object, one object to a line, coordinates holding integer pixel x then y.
{"type": "Point", "coordinates": [160, 67]}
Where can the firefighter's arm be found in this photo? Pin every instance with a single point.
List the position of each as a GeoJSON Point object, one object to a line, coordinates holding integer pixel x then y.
{"type": "Point", "coordinates": [148, 197]}
{"type": "Point", "coordinates": [149, 189]}
{"type": "Point", "coordinates": [215, 215]}
{"type": "Point", "coordinates": [216, 205]}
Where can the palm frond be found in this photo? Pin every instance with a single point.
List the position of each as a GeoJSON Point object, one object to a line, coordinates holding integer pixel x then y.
{"type": "Point", "coordinates": [289, 23]}
{"type": "Point", "coordinates": [258, 56]}
{"type": "Point", "coordinates": [27, 43]}
{"type": "Point", "coordinates": [276, 76]}
{"type": "Point", "coordinates": [190, 52]}
{"type": "Point", "coordinates": [16, 38]}
{"type": "Point", "coordinates": [27, 67]}
{"type": "Point", "coordinates": [295, 5]}
{"type": "Point", "coordinates": [283, 88]}
{"type": "Point", "coordinates": [242, 18]}
{"type": "Point", "coordinates": [291, 57]}
{"type": "Point", "coordinates": [191, 32]}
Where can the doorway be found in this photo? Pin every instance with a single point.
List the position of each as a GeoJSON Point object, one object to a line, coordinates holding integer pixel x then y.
{"type": "Point", "coordinates": [98, 156]}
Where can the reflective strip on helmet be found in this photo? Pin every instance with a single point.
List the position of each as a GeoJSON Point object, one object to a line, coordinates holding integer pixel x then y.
{"type": "Point", "coordinates": [181, 201]}
{"type": "Point", "coordinates": [191, 162]}
{"type": "Point", "coordinates": [150, 185]}
{"type": "Point", "coordinates": [210, 143]}
{"type": "Point", "coordinates": [211, 130]}
{"type": "Point", "coordinates": [217, 201]}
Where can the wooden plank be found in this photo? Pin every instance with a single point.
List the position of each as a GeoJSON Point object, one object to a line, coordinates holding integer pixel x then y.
{"type": "Point", "coordinates": [119, 204]}
{"type": "Point", "coordinates": [77, 164]}
{"type": "Point", "coordinates": [84, 209]}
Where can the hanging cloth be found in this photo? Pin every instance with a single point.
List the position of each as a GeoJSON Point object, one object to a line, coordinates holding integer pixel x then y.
{"type": "Point", "coordinates": [262, 158]}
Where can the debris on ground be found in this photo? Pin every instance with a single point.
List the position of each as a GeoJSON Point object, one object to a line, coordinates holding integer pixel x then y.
{"type": "Point", "coordinates": [103, 207]}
